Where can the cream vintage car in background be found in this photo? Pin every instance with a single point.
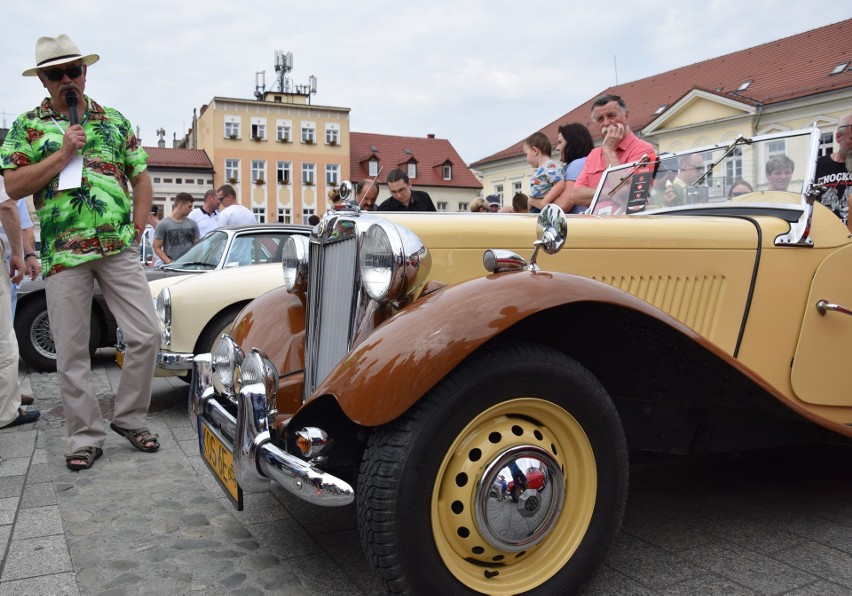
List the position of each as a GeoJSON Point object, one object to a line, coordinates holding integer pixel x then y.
{"type": "Point", "coordinates": [242, 262]}
{"type": "Point", "coordinates": [386, 374]}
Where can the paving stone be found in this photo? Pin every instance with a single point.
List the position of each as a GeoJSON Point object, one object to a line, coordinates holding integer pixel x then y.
{"type": "Point", "coordinates": [13, 466]}
{"type": "Point", "coordinates": [57, 584]}
{"type": "Point", "coordinates": [37, 522]}
{"type": "Point", "coordinates": [750, 569]}
{"type": "Point", "coordinates": [36, 556]}
{"type": "Point", "coordinates": [11, 486]}
{"type": "Point", "coordinates": [8, 509]}
{"type": "Point", "coordinates": [823, 561]}
{"type": "Point", "coordinates": [38, 495]}
{"type": "Point", "coordinates": [648, 564]}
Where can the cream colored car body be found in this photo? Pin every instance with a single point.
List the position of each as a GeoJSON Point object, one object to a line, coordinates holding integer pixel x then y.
{"type": "Point", "coordinates": [197, 303]}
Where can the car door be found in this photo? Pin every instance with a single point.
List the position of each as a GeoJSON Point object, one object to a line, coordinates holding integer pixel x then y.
{"type": "Point", "coordinates": [821, 372]}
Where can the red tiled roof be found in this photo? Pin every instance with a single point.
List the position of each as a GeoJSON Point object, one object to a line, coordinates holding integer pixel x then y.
{"type": "Point", "coordinates": [782, 70]}
{"type": "Point", "coordinates": [429, 153]}
{"type": "Point", "coordinates": [182, 159]}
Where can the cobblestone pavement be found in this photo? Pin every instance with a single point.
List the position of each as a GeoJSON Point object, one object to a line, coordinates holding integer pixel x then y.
{"type": "Point", "coordinates": [773, 522]}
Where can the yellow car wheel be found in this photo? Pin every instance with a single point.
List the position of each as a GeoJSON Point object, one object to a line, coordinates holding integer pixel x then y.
{"type": "Point", "coordinates": [431, 515]}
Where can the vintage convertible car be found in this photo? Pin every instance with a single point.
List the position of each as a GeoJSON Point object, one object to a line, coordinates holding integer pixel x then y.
{"type": "Point", "coordinates": [386, 374]}
{"type": "Point", "coordinates": [194, 312]}
{"type": "Point", "coordinates": [231, 246]}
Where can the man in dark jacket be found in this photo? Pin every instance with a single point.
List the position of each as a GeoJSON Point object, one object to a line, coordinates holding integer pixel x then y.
{"type": "Point", "coordinates": [402, 197]}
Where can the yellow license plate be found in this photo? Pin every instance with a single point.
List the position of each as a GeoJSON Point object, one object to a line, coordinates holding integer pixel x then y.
{"type": "Point", "coordinates": [221, 463]}
{"type": "Point", "coordinates": [119, 357]}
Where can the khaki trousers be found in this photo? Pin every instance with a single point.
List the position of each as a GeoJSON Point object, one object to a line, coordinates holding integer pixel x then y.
{"type": "Point", "coordinates": [10, 396]}
{"type": "Point", "coordinates": [69, 304]}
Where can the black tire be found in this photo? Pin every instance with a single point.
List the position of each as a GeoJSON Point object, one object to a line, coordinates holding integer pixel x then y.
{"type": "Point", "coordinates": [35, 341]}
{"type": "Point", "coordinates": [218, 325]}
{"type": "Point", "coordinates": [422, 518]}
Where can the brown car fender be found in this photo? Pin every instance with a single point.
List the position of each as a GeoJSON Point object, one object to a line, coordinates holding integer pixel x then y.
{"type": "Point", "coordinates": [406, 356]}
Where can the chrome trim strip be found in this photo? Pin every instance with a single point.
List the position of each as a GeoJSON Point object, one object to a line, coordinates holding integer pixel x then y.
{"type": "Point", "coordinates": [172, 361]}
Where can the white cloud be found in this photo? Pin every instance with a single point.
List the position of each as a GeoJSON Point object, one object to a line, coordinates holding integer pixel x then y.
{"type": "Point", "coordinates": [482, 74]}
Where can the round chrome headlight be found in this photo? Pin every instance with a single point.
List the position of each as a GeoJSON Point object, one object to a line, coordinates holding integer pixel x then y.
{"type": "Point", "coordinates": [295, 263]}
{"type": "Point", "coordinates": [164, 306]}
{"type": "Point", "coordinates": [256, 368]}
{"type": "Point", "coordinates": [394, 261]}
{"type": "Point", "coordinates": [226, 358]}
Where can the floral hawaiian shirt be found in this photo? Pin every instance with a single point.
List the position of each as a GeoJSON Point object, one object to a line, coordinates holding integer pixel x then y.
{"type": "Point", "coordinates": [95, 220]}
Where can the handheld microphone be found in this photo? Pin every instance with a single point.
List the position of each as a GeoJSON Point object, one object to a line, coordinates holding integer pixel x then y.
{"type": "Point", "coordinates": [71, 101]}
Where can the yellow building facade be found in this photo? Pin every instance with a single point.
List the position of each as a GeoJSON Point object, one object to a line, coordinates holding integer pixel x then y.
{"type": "Point", "coordinates": [281, 154]}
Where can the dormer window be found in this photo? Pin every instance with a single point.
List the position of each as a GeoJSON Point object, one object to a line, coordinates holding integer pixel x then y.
{"type": "Point", "coordinates": [447, 171]}
{"type": "Point", "coordinates": [412, 169]}
{"type": "Point", "coordinates": [373, 167]}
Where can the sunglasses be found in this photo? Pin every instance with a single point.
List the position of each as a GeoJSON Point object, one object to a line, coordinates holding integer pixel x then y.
{"type": "Point", "coordinates": [56, 74]}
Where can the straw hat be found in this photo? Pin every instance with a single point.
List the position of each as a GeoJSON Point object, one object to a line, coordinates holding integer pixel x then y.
{"type": "Point", "coordinates": [51, 51]}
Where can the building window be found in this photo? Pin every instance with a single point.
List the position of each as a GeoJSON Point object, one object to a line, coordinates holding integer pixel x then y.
{"type": "Point", "coordinates": [284, 215]}
{"type": "Point", "coordinates": [826, 144]}
{"type": "Point", "coordinates": [734, 166]}
{"type": "Point", "coordinates": [199, 181]}
{"type": "Point", "coordinates": [258, 131]}
{"type": "Point", "coordinates": [232, 127]}
{"type": "Point", "coordinates": [839, 68]}
{"type": "Point", "coordinates": [442, 205]}
{"type": "Point", "coordinates": [412, 170]}
{"type": "Point", "coordinates": [308, 174]}
{"type": "Point", "coordinates": [167, 180]}
{"type": "Point", "coordinates": [258, 171]}
{"type": "Point", "coordinates": [332, 174]}
{"type": "Point", "coordinates": [373, 167]}
{"type": "Point", "coordinates": [259, 214]}
{"type": "Point", "coordinates": [447, 171]}
{"type": "Point", "coordinates": [517, 186]}
{"type": "Point", "coordinates": [309, 133]}
{"type": "Point", "coordinates": [306, 214]}
{"type": "Point", "coordinates": [284, 131]}
{"type": "Point", "coordinates": [775, 147]}
{"type": "Point", "coordinates": [284, 171]}
{"type": "Point", "coordinates": [464, 206]}
{"type": "Point", "coordinates": [156, 180]}
{"type": "Point", "coordinates": [232, 170]}
{"type": "Point", "coordinates": [332, 135]}
{"type": "Point", "coordinates": [498, 190]}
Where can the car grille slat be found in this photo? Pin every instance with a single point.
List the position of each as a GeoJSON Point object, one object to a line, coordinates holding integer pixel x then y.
{"type": "Point", "coordinates": [331, 302]}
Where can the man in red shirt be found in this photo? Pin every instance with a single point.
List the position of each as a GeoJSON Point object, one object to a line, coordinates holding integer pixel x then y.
{"type": "Point", "coordinates": [620, 145]}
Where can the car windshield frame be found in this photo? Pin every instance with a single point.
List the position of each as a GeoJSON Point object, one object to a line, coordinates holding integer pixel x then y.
{"type": "Point", "coordinates": [206, 255]}
{"type": "Point", "coordinates": [627, 180]}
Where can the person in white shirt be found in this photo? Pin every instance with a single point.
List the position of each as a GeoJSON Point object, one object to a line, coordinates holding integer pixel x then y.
{"type": "Point", "coordinates": [207, 214]}
{"type": "Point", "coordinates": [230, 210]}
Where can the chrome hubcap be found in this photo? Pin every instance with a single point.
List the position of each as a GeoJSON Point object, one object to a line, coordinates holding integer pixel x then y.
{"type": "Point", "coordinates": [516, 523]}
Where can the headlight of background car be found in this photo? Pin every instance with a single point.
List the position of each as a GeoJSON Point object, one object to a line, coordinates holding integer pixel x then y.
{"type": "Point", "coordinates": [394, 261]}
{"type": "Point", "coordinates": [256, 368]}
{"type": "Point", "coordinates": [164, 306]}
{"type": "Point", "coordinates": [295, 263]}
{"type": "Point", "coordinates": [226, 358]}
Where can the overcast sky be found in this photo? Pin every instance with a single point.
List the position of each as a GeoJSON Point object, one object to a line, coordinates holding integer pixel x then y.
{"type": "Point", "coordinates": [482, 74]}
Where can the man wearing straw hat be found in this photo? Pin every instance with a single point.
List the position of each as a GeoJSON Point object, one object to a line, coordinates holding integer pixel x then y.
{"type": "Point", "coordinates": [76, 157]}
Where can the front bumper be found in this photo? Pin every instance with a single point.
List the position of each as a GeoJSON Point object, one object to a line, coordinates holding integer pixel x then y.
{"type": "Point", "coordinates": [256, 460]}
{"type": "Point", "coordinates": [174, 361]}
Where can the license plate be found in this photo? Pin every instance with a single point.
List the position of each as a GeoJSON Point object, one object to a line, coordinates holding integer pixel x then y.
{"type": "Point", "coordinates": [220, 461]}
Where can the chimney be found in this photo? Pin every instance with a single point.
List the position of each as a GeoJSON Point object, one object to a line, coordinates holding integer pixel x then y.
{"type": "Point", "coordinates": [431, 135]}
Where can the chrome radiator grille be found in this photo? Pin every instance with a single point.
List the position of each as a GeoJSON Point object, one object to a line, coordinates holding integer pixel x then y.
{"type": "Point", "coordinates": [332, 296]}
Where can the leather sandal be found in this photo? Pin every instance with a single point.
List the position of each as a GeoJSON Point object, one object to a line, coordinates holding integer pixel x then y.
{"type": "Point", "coordinates": [138, 437]}
{"type": "Point", "coordinates": [83, 458]}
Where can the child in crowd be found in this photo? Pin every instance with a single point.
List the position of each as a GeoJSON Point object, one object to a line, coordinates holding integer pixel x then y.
{"type": "Point", "coordinates": [546, 182]}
